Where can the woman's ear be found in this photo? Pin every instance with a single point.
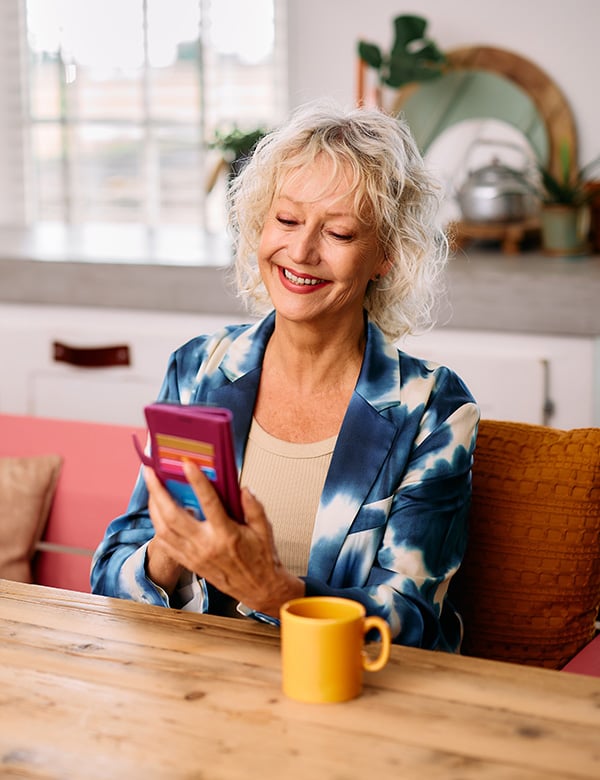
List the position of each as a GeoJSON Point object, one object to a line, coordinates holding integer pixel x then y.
{"type": "Point", "coordinates": [384, 267]}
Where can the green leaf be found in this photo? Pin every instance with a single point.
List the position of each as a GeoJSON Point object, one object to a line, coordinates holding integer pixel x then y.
{"type": "Point", "coordinates": [238, 142]}
{"type": "Point", "coordinates": [405, 69]}
{"type": "Point", "coordinates": [565, 161]}
{"type": "Point", "coordinates": [412, 58]}
{"type": "Point", "coordinates": [567, 186]}
{"type": "Point", "coordinates": [431, 52]}
{"type": "Point", "coordinates": [407, 28]}
{"type": "Point", "coordinates": [371, 54]}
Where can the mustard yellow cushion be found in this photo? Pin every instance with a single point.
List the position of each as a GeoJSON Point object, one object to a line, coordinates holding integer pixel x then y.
{"type": "Point", "coordinates": [529, 587]}
{"type": "Point", "coordinates": [26, 490]}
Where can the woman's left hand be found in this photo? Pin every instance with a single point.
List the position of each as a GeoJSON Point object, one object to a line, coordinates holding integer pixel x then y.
{"type": "Point", "coordinates": [239, 560]}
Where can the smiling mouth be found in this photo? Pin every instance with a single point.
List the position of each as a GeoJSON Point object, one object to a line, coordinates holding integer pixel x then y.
{"type": "Point", "coordinates": [310, 281]}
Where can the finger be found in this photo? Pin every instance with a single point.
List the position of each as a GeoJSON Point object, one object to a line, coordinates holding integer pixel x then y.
{"type": "Point", "coordinates": [206, 494]}
{"type": "Point", "coordinates": [256, 519]}
{"type": "Point", "coordinates": [155, 487]}
{"type": "Point", "coordinates": [254, 512]}
{"type": "Point", "coordinates": [169, 519]}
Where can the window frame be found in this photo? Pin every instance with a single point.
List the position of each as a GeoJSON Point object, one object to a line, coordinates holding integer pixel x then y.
{"type": "Point", "coordinates": [68, 238]}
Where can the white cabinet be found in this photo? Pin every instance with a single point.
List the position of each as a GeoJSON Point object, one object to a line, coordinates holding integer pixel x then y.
{"type": "Point", "coordinates": [32, 382]}
{"type": "Point", "coordinates": [539, 379]}
{"type": "Point", "coordinates": [552, 380]}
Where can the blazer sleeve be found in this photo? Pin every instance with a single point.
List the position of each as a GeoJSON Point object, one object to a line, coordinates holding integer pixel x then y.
{"type": "Point", "coordinates": [118, 565]}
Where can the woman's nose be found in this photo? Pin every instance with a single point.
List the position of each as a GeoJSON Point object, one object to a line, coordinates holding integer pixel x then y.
{"type": "Point", "coordinates": [303, 246]}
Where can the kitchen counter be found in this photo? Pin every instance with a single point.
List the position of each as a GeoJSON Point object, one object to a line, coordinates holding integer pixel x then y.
{"type": "Point", "coordinates": [526, 293]}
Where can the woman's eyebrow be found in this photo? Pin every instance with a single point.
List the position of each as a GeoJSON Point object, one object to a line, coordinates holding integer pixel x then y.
{"type": "Point", "coordinates": [295, 202]}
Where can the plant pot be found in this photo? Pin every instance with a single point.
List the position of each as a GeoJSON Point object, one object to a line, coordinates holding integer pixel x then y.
{"type": "Point", "coordinates": [565, 230]}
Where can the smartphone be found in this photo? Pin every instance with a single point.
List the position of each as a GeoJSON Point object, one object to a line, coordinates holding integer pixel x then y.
{"type": "Point", "coordinates": [201, 434]}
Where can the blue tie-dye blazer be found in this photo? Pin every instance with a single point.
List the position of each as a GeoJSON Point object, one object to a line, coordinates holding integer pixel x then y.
{"type": "Point", "coordinates": [391, 526]}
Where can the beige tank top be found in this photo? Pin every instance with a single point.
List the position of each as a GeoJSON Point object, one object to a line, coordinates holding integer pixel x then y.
{"type": "Point", "coordinates": [288, 479]}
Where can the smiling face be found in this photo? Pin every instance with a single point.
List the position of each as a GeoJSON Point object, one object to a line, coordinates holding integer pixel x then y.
{"type": "Point", "coordinates": [316, 256]}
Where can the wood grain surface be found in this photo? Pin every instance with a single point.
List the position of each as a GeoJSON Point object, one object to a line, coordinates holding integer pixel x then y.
{"type": "Point", "coordinates": [92, 687]}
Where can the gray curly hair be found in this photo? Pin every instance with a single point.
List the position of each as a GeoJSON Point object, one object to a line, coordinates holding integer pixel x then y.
{"type": "Point", "coordinates": [393, 191]}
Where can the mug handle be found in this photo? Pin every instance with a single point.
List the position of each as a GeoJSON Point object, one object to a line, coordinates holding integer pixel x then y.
{"type": "Point", "coordinates": [373, 621]}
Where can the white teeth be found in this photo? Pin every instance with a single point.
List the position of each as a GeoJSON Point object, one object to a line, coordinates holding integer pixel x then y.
{"type": "Point", "coordinates": [299, 279]}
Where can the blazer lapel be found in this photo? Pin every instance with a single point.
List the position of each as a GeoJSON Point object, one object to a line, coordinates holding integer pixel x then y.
{"type": "Point", "coordinates": [239, 397]}
{"type": "Point", "coordinates": [240, 370]}
{"type": "Point", "coordinates": [363, 445]}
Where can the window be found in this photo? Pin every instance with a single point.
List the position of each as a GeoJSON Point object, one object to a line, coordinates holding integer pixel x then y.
{"type": "Point", "coordinates": [121, 99]}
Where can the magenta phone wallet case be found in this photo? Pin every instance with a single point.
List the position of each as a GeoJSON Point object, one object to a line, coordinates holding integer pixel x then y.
{"type": "Point", "coordinates": [201, 434]}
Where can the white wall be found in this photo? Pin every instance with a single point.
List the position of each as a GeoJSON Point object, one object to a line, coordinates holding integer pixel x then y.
{"type": "Point", "coordinates": [562, 37]}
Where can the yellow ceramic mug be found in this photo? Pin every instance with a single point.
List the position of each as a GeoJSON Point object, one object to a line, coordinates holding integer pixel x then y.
{"type": "Point", "coordinates": [322, 648]}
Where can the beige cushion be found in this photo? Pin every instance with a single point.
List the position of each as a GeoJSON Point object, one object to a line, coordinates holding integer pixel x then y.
{"type": "Point", "coordinates": [529, 587]}
{"type": "Point", "coordinates": [26, 490]}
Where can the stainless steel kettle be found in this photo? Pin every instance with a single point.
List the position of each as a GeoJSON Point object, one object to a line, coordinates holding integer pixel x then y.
{"type": "Point", "coordinates": [496, 193]}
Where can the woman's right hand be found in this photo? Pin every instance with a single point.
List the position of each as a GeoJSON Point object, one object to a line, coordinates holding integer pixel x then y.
{"type": "Point", "coordinates": [240, 560]}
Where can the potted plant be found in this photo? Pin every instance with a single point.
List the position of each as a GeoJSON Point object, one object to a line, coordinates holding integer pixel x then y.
{"type": "Point", "coordinates": [565, 198]}
{"type": "Point", "coordinates": [235, 146]}
{"type": "Point", "coordinates": [413, 56]}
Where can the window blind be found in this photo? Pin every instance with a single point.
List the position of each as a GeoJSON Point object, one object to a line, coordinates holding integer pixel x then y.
{"type": "Point", "coordinates": [79, 143]}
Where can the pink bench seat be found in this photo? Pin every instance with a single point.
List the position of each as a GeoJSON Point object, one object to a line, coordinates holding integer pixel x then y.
{"type": "Point", "coordinates": [587, 661]}
{"type": "Point", "coordinates": [97, 476]}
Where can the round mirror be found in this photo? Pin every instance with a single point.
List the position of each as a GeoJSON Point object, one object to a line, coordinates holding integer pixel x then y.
{"type": "Point", "coordinates": [488, 83]}
{"type": "Point", "coordinates": [488, 98]}
{"type": "Point", "coordinates": [462, 96]}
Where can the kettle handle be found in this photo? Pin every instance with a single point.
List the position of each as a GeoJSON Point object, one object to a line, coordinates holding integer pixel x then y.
{"type": "Point", "coordinates": [498, 142]}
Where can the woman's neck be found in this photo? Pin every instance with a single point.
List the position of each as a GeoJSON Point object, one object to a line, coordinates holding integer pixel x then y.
{"type": "Point", "coordinates": [307, 381]}
{"type": "Point", "coordinates": [315, 359]}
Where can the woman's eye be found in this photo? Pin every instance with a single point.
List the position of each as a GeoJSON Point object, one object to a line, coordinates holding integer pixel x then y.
{"type": "Point", "coordinates": [342, 236]}
{"type": "Point", "coordinates": [288, 221]}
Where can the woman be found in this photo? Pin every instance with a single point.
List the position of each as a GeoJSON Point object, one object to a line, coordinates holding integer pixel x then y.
{"type": "Point", "coordinates": [355, 458]}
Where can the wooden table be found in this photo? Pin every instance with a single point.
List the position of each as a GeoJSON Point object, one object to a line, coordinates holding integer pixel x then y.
{"type": "Point", "coordinates": [92, 687]}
